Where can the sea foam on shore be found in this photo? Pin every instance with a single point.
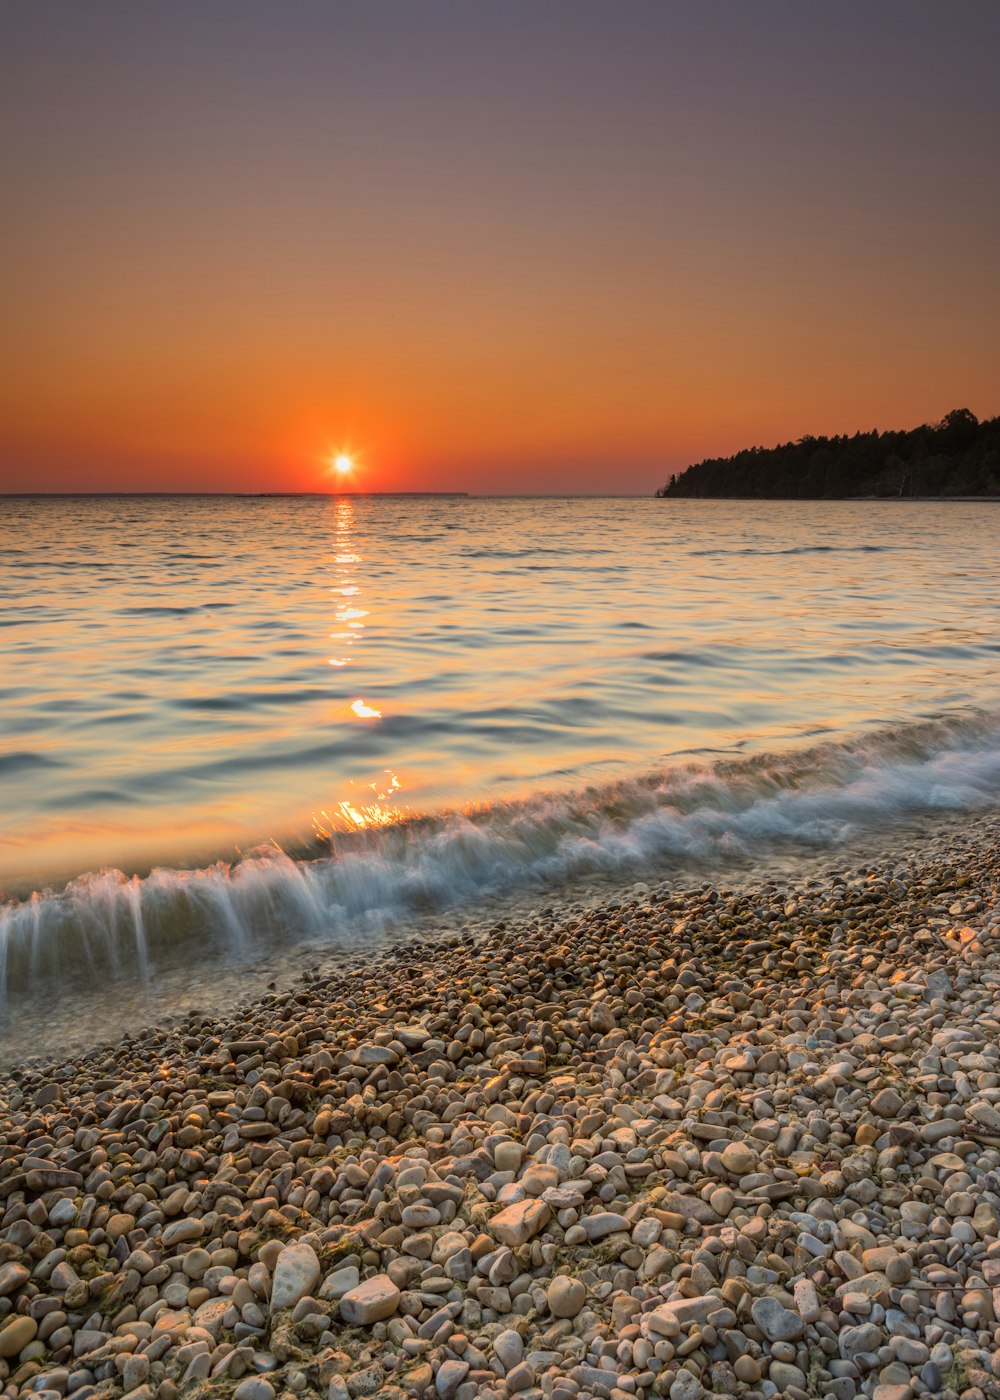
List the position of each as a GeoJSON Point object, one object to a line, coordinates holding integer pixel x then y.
{"type": "Point", "coordinates": [142, 935]}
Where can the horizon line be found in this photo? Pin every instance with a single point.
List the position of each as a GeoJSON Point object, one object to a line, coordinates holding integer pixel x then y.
{"type": "Point", "coordinates": [329, 495]}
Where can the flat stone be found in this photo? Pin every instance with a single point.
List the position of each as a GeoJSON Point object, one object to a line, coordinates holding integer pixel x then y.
{"type": "Point", "coordinates": [806, 1299]}
{"type": "Point", "coordinates": [367, 1381]}
{"type": "Point", "coordinates": [52, 1179]}
{"type": "Point", "coordinates": [450, 1376]}
{"type": "Point", "coordinates": [411, 1037]}
{"type": "Point", "coordinates": [254, 1388]}
{"type": "Point", "coordinates": [539, 1177]}
{"type": "Point", "coordinates": [605, 1222]}
{"type": "Point", "coordinates": [784, 1374]}
{"type": "Point", "coordinates": [870, 1285]}
{"type": "Point", "coordinates": [689, 1208]}
{"type": "Point", "coordinates": [686, 1387]}
{"type": "Point", "coordinates": [338, 1283]}
{"type": "Point", "coordinates": [209, 1316]}
{"type": "Point", "coordinates": [602, 1018]}
{"type": "Point", "coordinates": [855, 1340]}
{"type": "Point", "coordinates": [372, 1301]}
{"type": "Point", "coordinates": [180, 1231]}
{"type": "Point", "coordinates": [419, 1217]}
{"type": "Point", "coordinates": [886, 1103]}
{"type": "Point", "coordinates": [777, 1323]}
{"type": "Point", "coordinates": [594, 1380]}
{"type": "Point", "coordinates": [520, 1222]}
{"type": "Point", "coordinates": [12, 1276]}
{"type": "Point", "coordinates": [296, 1274]}
{"type": "Point", "coordinates": [368, 1056]}
{"type": "Point", "coordinates": [508, 1155]}
{"type": "Point", "coordinates": [63, 1213]}
{"type": "Point", "coordinates": [508, 1347]}
{"type": "Point", "coordinates": [522, 1377]}
{"type": "Point", "coordinates": [671, 1318]}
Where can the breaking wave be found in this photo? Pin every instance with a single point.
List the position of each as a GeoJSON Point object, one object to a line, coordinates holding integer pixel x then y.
{"type": "Point", "coordinates": [105, 925]}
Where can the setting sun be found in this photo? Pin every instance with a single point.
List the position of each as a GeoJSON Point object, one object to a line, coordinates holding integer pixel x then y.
{"type": "Point", "coordinates": [343, 463]}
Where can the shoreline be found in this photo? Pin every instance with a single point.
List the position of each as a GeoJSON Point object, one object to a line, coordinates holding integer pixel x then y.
{"type": "Point", "coordinates": [225, 988]}
{"type": "Point", "coordinates": [679, 1142]}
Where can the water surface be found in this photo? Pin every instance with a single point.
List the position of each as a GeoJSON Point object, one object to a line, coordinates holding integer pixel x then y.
{"type": "Point", "coordinates": [450, 697]}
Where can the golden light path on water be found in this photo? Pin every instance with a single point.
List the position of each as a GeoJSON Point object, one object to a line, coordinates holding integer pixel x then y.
{"type": "Point", "coordinates": [360, 811]}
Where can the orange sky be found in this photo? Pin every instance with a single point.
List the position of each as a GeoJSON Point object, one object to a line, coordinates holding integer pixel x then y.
{"type": "Point", "coordinates": [490, 248]}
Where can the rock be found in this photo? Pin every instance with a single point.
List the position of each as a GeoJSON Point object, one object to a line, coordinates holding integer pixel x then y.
{"type": "Point", "coordinates": [450, 1376]}
{"type": "Point", "coordinates": [296, 1274]}
{"type": "Point", "coordinates": [690, 1208]}
{"type": "Point", "coordinates": [686, 1387]}
{"type": "Point", "coordinates": [508, 1155]}
{"type": "Point", "coordinates": [12, 1277]}
{"type": "Point", "coordinates": [520, 1222]}
{"type": "Point", "coordinates": [854, 1340]}
{"type": "Point", "coordinates": [739, 1158]}
{"type": "Point", "coordinates": [806, 1299]}
{"type": "Point", "coordinates": [508, 1347]}
{"type": "Point", "coordinates": [886, 1103]}
{"type": "Point", "coordinates": [539, 1177]}
{"type": "Point", "coordinates": [776, 1322]}
{"type": "Point", "coordinates": [254, 1388]}
{"type": "Point", "coordinates": [784, 1374]}
{"type": "Point", "coordinates": [180, 1231]}
{"type": "Point", "coordinates": [368, 1056]}
{"type": "Point", "coordinates": [522, 1377]}
{"type": "Point", "coordinates": [602, 1018]}
{"type": "Point", "coordinates": [566, 1296]}
{"type": "Point", "coordinates": [603, 1223]}
{"type": "Point", "coordinates": [670, 1318]}
{"type": "Point", "coordinates": [16, 1335]}
{"type": "Point", "coordinates": [372, 1301]}
{"type": "Point", "coordinates": [341, 1281]}
{"type": "Point", "coordinates": [747, 1370]}
{"type": "Point", "coordinates": [367, 1381]}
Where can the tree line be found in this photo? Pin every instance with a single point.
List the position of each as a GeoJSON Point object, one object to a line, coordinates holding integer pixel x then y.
{"type": "Point", "coordinates": [960, 456]}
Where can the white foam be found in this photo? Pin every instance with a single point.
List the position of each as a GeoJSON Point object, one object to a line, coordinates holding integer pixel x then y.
{"type": "Point", "coordinates": [105, 924]}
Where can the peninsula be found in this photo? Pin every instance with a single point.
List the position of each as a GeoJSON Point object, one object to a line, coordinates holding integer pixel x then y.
{"type": "Point", "coordinates": [958, 457]}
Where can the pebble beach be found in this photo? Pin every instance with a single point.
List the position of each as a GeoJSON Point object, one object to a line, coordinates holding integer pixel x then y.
{"type": "Point", "coordinates": [684, 1143]}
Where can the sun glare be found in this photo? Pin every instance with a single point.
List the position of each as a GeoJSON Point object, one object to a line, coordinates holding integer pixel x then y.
{"type": "Point", "coordinates": [343, 463]}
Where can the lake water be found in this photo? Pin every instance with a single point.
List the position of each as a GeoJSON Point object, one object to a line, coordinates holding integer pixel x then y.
{"type": "Point", "coordinates": [368, 706]}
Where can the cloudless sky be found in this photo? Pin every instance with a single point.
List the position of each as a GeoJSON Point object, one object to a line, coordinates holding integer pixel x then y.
{"type": "Point", "coordinates": [489, 246]}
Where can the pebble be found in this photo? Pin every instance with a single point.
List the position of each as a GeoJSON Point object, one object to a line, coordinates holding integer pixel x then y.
{"type": "Point", "coordinates": [295, 1274]}
{"type": "Point", "coordinates": [372, 1301]}
{"type": "Point", "coordinates": [779, 1324]}
{"type": "Point", "coordinates": [566, 1296]}
{"type": "Point", "coordinates": [254, 1388]}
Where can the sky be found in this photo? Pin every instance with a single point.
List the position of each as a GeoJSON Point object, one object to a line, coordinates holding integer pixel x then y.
{"type": "Point", "coordinates": [565, 245]}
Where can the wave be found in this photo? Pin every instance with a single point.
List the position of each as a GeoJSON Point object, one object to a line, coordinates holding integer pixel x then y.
{"type": "Point", "coordinates": [105, 926]}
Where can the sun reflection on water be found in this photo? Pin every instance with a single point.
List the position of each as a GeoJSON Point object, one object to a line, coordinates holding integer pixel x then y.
{"type": "Point", "coordinates": [373, 805]}
{"type": "Point", "coordinates": [362, 812]}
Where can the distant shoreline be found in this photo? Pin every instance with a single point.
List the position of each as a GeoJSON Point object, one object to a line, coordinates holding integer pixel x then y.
{"type": "Point", "coordinates": [957, 459]}
{"type": "Point", "coordinates": [839, 500]}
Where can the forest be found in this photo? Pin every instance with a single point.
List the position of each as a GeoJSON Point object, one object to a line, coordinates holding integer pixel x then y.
{"type": "Point", "coordinates": [960, 456]}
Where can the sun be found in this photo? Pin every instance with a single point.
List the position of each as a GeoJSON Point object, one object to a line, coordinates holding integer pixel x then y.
{"type": "Point", "coordinates": [343, 463]}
